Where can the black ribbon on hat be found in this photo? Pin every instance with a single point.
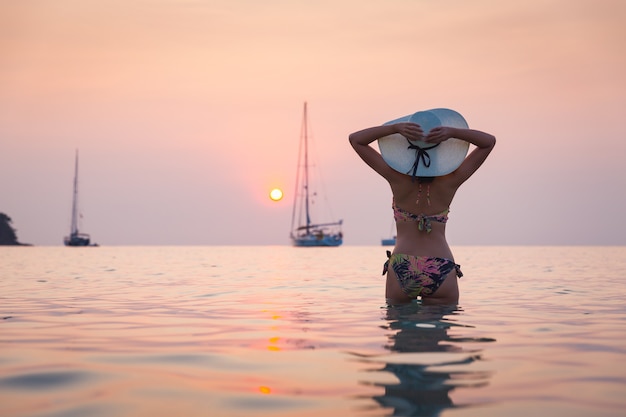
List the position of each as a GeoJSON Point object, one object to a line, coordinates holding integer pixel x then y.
{"type": "Point", "coordinates": [420, 154]}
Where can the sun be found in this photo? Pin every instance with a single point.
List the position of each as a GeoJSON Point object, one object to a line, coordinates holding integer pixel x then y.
{"type": "Point", "coordinates": [276, 194]}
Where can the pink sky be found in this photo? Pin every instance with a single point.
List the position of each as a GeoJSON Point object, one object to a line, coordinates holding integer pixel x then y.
{"type": "Point", "coordinates": [186, 114]}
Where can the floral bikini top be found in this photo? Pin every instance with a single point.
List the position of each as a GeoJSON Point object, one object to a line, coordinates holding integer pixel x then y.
{"type": "Point", "coordinates": [424, 222]}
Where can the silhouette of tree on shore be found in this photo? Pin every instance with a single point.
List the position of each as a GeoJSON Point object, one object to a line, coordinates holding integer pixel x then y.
{"type": "Point", "coordinates": [7, 233]}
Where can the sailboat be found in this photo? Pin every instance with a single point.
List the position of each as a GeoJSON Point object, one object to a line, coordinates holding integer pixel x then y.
{"type": "Point", "coordinates": [305, 232]}
{"type": "Point", "coordinates": [76, 238]}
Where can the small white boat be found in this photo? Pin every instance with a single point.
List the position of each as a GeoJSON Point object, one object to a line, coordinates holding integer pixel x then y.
{"type": "Point", "coordinates": [390, 241]}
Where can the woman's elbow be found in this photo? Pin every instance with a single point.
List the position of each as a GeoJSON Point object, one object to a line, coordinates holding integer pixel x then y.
{"type": "Point", "coordinates": [490, 142]}
{"type": "Point", "coordinates": [353, 140]}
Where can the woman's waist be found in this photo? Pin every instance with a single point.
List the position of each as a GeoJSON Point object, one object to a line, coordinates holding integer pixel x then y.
{"type": "Point", "coordinates": [435, 246]}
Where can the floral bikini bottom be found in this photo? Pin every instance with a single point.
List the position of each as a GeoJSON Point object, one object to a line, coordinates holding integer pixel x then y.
{"type": "Point", "coordinates": [420, 275]}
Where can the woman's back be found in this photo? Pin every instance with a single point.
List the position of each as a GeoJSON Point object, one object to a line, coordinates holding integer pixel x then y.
{"type": "Point", "coordinates": [421, 210]}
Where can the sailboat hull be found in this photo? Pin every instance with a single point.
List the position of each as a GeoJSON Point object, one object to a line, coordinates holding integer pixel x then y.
{"type": "Point", "coordinates": [77, 240]}
{"type": "Point", "coordinates": [317, 240]}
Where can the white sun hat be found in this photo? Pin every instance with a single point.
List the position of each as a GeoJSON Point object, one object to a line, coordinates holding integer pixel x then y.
{"type": "Point", "coordinates": [421, 159]}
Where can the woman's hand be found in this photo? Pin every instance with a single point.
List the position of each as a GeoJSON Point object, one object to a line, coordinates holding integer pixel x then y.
{"type": "Point", "coordinates": [439, 134]}
{"type": "Point", "coordinates": [411, 131]}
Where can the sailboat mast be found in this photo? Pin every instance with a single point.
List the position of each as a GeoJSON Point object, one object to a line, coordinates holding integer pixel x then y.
{"type": "Point", "coordinates": [306, 167]}
{"type": "Point", "coordinates": [74, 230]}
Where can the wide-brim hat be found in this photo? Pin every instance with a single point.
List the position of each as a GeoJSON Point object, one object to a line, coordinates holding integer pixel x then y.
{"type": "Point", "coordinates": [422, 159]}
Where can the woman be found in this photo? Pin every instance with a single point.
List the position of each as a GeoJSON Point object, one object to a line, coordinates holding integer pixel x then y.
{"type": "Point", "coordinates": [422, 264]}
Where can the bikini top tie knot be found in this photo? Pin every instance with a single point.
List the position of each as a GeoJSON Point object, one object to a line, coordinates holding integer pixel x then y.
{"type": "Point", "coordinates": [424, 223]}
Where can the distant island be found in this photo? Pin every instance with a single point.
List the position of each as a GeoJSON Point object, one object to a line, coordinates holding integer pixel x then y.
{"type": "Point", "coordinates": [7, 233]}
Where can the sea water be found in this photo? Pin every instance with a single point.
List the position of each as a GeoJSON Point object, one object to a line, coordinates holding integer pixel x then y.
{"type": "Point", "coordinates": [282, 331]}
